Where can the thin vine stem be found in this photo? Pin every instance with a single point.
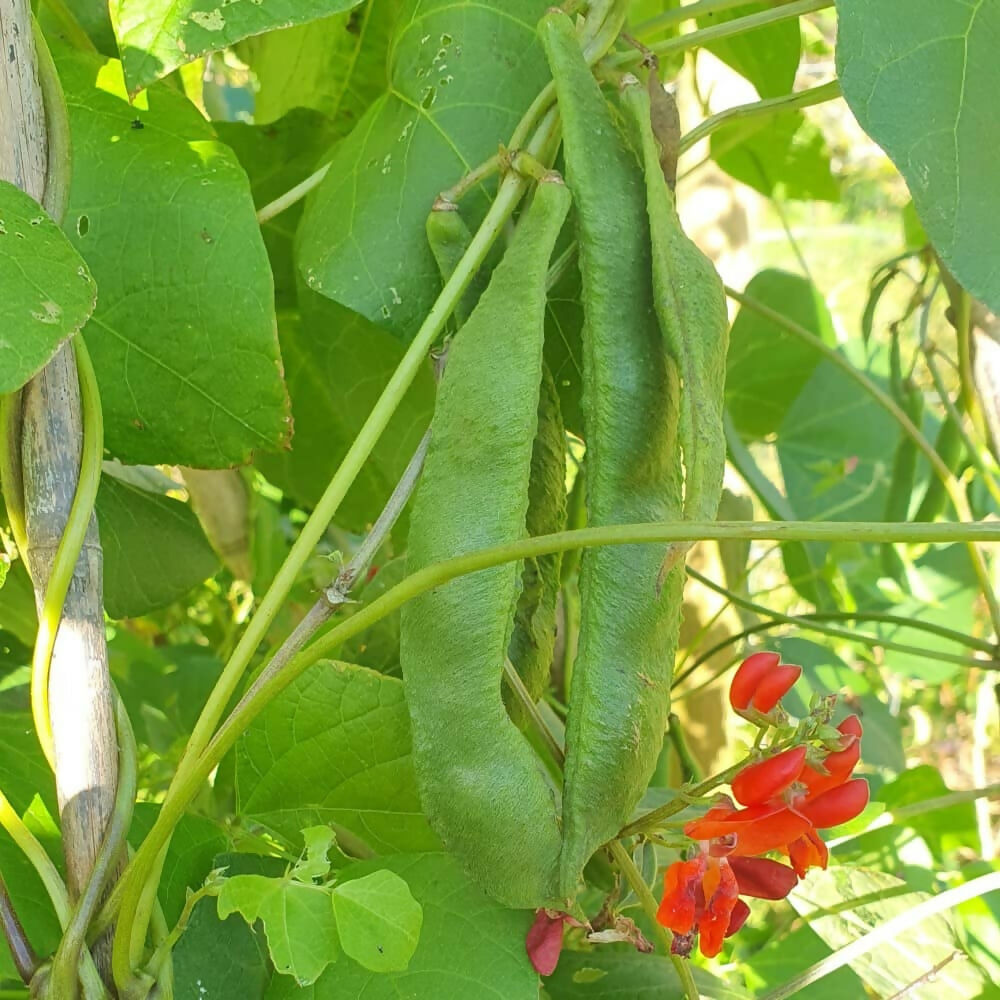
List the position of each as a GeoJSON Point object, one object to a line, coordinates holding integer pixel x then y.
{"type": "Point", "coordinates": [887, 403]}
{"type": "Point", "coordinates": [70, 546]}
{"type": "Point", "coordinates": [688, 12]}
{"type": "Point", "coordinates": [648, 902]}
{"type": "Point", "coordinates": [22, 954]}
{"type": "Point", "coordinates": [739, 25]}
{"type": "Point", "coordinates": [813, 622]}
{"type": "Point", "coordinates": [285, 201]}
{"type": "Point", "coordinates": [887, 931]}
{"type": "Point", "coordinates": [829, 91]}
{"type": "Point", "coordinates": [263, 691]}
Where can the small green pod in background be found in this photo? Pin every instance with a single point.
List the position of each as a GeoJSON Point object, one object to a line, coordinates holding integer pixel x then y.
{"type": "Point", "coordinates": [449, 237]}
{"type": "Point", "coordinates": [620, 690]}
{"type": "Point", "coordinates": [533, 639]}
{"type": "Point", "coordinates": [482, 786]}
{"type": "Point", "coordinates": [691, 307]}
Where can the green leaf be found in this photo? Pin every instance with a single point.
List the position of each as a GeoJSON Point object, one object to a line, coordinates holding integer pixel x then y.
{"type": "Point", "coordinates": [462, 74]}
{"type": "Point", "coordinates": [17, 608]}
{"type": "Point", "coordinates": [298, 921]}
{"type": "Point", "coordinates": [945, 593]}
{"type": "Point", "coordinates": [470, 946]}
{"type": "Point", "coordinates": [46, 291]}
{"type": "Point", "coordinates": [835, 445]}
{"type": "Point", "coordinates": [921, 77]}
{"type": "Point", "coordinates": [183, 337]}
{"type": "Point", "coordinates": [379, 921]}
{"type": "Point", "coordinates": [605, 975]}
{"type": "Point", "coordinates": [943, 830]}
{"type": "Point", "coordinates": [768, 57]}
{"type": "Point", "coordinates": [336, 65]}
{"type": "Point", "coordinates": [378, 646]}
{"type": "Point", "coordinates": [154, 549]}
{"type": "Point", "coordinates": [896, 962]}
{"type": "Point", "coordinates": [276, 157]}
{"type": "Point", "coordinates": [337, 364]}
{"type": "Point", "coordinates": [766, 367]}
{"type": "Point", "coordinates": [781, 155]}
{"type": "Point", "coordinates": [334, 749]}
{"type": "Point", "coordinates": [157, 36]}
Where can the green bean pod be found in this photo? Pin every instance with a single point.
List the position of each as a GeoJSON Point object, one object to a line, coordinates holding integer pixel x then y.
{"type": "Point", "coordinates": [482, 786]}
{"type": "Point", "coordinates": [620, 690]}
{"type": "Point", "coordinates": [533, 639]}
{"type": "Point", "coordinates": [449, 237]}
{"type": "Point", "coordinates": [691, 307]}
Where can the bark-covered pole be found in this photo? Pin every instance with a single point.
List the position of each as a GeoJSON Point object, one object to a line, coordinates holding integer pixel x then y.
{"type": "Point", "coordinates": [80, 696]}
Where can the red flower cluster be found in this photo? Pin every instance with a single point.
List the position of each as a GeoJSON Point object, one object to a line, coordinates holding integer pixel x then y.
{"type": "Point", "coordinates": [786, 799]}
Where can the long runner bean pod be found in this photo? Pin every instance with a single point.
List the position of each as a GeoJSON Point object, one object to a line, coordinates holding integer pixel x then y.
{"type": "Point", "coordinates": [691, 307]}
{"type": "Point", "coordinates": [620, 689]}
{"type": "Point", "coordinates": [482, 786]}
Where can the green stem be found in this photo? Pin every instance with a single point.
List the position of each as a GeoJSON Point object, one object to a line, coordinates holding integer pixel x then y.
{"type": "Point", "coordinates": [657, 817]}
{"type": "Point", "coordinates": [802, 99]}
{"type": "Point", "coordinates": [10, 468]}
{"type": "Point", "coordinates": [67, 958]}
{"type": "Point", "coordinates": [686, 13]}
{"type": "Point", "coordinates": [887, 931]}
{"type": "Point", "coordinates": [476, 176]}
{"type": "Point", "coordinates": [739, 25]}
{"type": "Point", "coordinates": [293, 195]}
{"type": "Point", "coordinates": [887, 403]}
{"type": "Point", "coordinates": [70, 545]}
{"type": "Point", "coordinates": [689, 766]}
{"type": "Point", "coordinates": [638, 885]}
{"type": "Point", "coordinates": [59, 166]}
{"type": "Point", "coordinates": [812, 622]}
{"type": "Point", "coordinates": [513, 679]}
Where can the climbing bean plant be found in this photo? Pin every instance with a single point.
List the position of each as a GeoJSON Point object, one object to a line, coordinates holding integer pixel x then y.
{"type": "Point", "coordinates": [448, 454]}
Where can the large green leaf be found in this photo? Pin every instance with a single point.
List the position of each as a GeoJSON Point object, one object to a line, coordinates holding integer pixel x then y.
{"type": "Point", "coordinates": [154, 548]}
{"type": "Point", "coordinates": [46, 291]}
{"type": "Point", "coordinates": [336, 65]}
{"type": "Point", "coordinates": [462, 73]}
{"type": "Point", "coordinates": [337, 363]}
{"type": "Point", "coordinates": [183, 337]}
{"type": "Point", "coordinates": [470, 946]}
{"type": "Point", "coordinates": [898, 961]}
{"type": "Point", "coordinates": [767, 367]}
{"type": "Point", "coordinates": [157, 36]}
{"type": "Point", "coordinates": [334, 748]}
{"type": "Point", "coordinates": [768, 57]}
{"type": "Point", "coordinates": [921, 76]}
{"type": "Point", "coordinates": [604, 975]}
{"type": "Point", "coordinates": [780, 155]}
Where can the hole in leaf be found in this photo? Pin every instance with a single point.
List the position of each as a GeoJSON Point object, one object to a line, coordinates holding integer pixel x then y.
{"type": "Point", "coordinates": [83, 225]}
